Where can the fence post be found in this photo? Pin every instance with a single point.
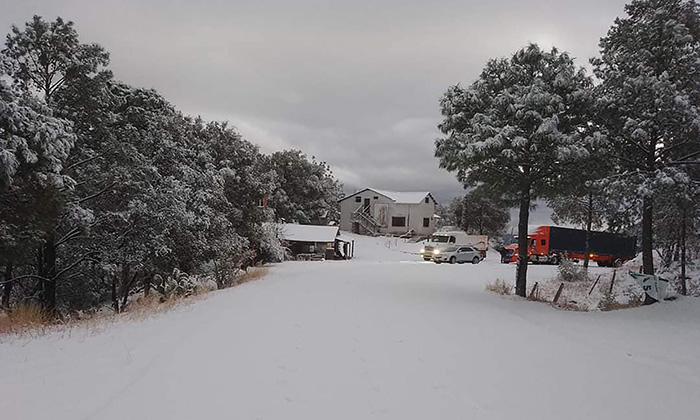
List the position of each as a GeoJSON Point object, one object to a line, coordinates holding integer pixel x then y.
{"type": "Point", "coordinates": [594, 284]}
{"type": "Point", "coordinates": [612, 282]}
{"type": "Point", "coordinates": [532, 292]}
{"type": "Point", "coordinates": [556, 297]}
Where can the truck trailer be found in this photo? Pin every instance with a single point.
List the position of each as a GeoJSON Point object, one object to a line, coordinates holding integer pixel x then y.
{"type": "Point", "coordinates": [550, 244]}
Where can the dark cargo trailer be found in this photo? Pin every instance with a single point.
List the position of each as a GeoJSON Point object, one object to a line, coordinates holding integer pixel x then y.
{"type": "Point", "coordinates": [549, 244]}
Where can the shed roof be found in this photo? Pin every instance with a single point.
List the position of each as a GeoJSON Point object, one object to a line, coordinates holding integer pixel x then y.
{"type": "Point", "coordinates": [408, 197]}
{"type": "Point", "coordinates": [308, 233]}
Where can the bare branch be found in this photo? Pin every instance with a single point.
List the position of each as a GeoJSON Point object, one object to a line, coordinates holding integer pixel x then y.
{"type": "Point", "coordinates": [97, 194]}
{"type": "Point", "coordinates": [75, 263]}
{"type": "Point", "coordinates": [27, 276]}
{"type": "Point", "coordinates": [76, 164]}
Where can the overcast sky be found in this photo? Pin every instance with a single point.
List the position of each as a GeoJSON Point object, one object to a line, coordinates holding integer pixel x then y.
{"type": "Point", "coordinates": [354, 83]}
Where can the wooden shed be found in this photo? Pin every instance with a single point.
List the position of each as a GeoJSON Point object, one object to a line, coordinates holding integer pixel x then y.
{"type": "Point", "coordinates": [315, 242]}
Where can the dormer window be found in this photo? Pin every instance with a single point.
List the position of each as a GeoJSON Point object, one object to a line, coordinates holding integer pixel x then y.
{"type": "Point", "coordinates": [427, 199]}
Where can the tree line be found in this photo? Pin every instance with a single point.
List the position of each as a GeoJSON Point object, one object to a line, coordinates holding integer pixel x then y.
{"type": "Point", "coordinates": [105, 188]}
{"type": "Point", "coordinates": [620, 151]}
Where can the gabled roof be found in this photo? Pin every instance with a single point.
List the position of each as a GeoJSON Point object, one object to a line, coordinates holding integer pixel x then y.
{"type": "Point", "coordinates": [410, 197]}
{"type": "Point", "coordinates": [308, 233]}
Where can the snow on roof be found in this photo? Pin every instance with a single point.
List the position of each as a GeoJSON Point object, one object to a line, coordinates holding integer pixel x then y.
{"type": "Point", "coordinates": [399, 197]}
{"type": "Point", "coordinates": [308, 233]}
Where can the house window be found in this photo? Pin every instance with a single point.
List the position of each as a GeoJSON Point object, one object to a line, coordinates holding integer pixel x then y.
{"type": "Point", "coordinates": [426, 222]}
{"type": "Point", "coordinates": [376, 197]}
{"type": "Point", "coordinates": [398, 221]}
{"type": "Point", "coordinates": [427, 199]}
{"type": "Point", "coordinates": [358, 199]}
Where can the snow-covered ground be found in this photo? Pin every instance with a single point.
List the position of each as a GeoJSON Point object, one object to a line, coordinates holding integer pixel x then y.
{"type": "Point", "coordinates": [384, 336]}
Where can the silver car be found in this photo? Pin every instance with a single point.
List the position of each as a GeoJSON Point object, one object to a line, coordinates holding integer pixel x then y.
{"type": "Point", "coordinates": [457, 254]}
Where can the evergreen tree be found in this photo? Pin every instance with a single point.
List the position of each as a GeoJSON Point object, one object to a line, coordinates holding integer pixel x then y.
{"type": "Point", "coordinates": [45, 55]}
{"type": "Point", "coordinates": [648, 99]}
{"type": "Point", "coordinates": [583, 199]}
{"type": "Point", "coordinates": [34, 147]}
{"type": "Point", "coordinates": [515, 128]}
{"type": "Point", "coordinates": [308, 193]}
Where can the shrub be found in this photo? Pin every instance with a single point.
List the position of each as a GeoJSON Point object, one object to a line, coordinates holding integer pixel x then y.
{"type": "Point", "coordinates": [25, 316]}
{"type": "Point", "coordinates": [569, 272]}
{"type": "Point", "coordinates": [500, 286]}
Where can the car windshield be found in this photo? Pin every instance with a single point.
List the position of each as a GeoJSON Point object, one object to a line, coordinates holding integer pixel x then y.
{"type": "Point", "coordinates": [440, 239]}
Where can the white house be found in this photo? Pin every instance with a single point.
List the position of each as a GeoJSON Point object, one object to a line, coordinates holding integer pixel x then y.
{"type": "Point", "coordinates": [372, 211]}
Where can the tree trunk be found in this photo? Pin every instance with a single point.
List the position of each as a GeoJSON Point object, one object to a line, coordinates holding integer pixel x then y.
{"type": "Point", "coordinates": [115, 297]}
{"type": "Point", "coordinates": [6, 288]}
{"type": "Point", "coordinates": [589, 226]}
{"type": "Point", "coordinates": [147, 283]}
{"type": "Point", "coordinates": [647, 236]}
{"type": "Point", "coordinates": [127, 289]}
{"type": "Point", "coordinates": [684, 228]}
{"type": "Point", "coordinates": [123, 290]}
{"type": "Point", "coordinates": [523, 243]}
{"type": "Point", "coordinates": [48, 272]}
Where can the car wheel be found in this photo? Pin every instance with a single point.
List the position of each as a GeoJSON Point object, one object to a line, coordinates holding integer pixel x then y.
{"type": "Point", "coordinates": [476, 260]}
{"type": "Point", "coordinates": [453, 260]}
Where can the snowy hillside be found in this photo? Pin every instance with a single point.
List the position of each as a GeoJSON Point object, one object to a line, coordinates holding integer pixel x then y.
{"type": "Point", "coordinates": [383, 336]}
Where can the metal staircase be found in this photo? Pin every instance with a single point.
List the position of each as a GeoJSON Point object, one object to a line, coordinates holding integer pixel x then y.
{"type": "Point", "coordinates": [368, 225]}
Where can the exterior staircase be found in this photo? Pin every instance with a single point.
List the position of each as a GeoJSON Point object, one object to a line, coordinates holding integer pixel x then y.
{"type": "Point", "coordinates": [368, 225]}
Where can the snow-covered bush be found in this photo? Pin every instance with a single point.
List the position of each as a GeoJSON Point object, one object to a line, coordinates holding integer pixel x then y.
{"type": "Point", "coordinates": [568, 271]}
{"type": "Point", "coordinates": [270, 246]}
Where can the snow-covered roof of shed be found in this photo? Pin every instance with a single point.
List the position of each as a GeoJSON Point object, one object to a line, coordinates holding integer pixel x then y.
{"type": "Point", "coordinates": [409, 197]}
{"type": "Point", "coordinates": [308, 233]}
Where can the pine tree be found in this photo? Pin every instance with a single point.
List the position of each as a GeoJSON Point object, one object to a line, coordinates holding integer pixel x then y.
{"type": "Point", "coordinates": [648, 98]}
{"type": "Point", "coordinates": [582, 198]}
{"type": "Point", "coordinates": [34, 147]}
{"type": "Point", "coordinates": [308, 192]}
{"type": "Point", "coordinates": [45, 55]}
{"type": "Point", "coordinates": [514, 128]}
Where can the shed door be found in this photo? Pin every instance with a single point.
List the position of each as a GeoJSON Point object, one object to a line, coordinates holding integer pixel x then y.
{"type": "Point", "coordinates": [367, 205]}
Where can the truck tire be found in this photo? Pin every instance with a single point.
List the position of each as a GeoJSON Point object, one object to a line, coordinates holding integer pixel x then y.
{"type": "Point", "coordinates": [453, 260]}
{"type": "Point", "coordinates": [617, 263]}
{"type": "Point", "coordinates": [476, 260]}
{"type": "Point", "coordinates": [555, 260]}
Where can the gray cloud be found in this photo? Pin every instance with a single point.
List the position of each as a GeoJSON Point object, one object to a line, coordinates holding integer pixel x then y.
{"type": "Point", "coordinates": [353, 83]}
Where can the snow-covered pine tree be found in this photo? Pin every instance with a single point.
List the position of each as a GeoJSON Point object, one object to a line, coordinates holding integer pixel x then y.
{"type": "Point", "coordinates": [582, 199]}
{"type": "Point", "coordinates": [649, 98]}
{"type": "Point", "coordinates": [34, 147]}
{"type": "Point", "coordinates": [308, 192]}
{"type": "Point", "coordinates": [515, 128]}
{"type": "Point", "coordinates": [45, 55]}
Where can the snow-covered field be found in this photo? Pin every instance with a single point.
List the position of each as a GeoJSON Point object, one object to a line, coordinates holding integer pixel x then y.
{"type": "Point", "coordinates": [384, 336]}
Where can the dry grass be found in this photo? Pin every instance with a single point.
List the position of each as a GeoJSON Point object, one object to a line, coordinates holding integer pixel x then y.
{"type": "Point", "coordinates": [609, 303]}
{"type": "Point", "coordinates": [29, 318]}
{"type": "Point", "coordinates": [24, 317]}
{"type": "Point", "coordinates": [253, 273]}
{"type": "Point", "coordinates": [500, 286]}
{"type": "Point", "coordinates": [538, 296]}
{"type": "Point", "coordinates": [154, 303]}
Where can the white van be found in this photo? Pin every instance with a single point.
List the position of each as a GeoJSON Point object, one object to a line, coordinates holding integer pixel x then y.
{"type": "Point", "coordinates": [443, 240]}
